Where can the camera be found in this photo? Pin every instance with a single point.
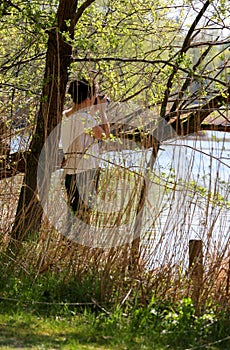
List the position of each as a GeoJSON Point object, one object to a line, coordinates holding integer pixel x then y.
{"type": "Point", "coordinates": [100, 97]}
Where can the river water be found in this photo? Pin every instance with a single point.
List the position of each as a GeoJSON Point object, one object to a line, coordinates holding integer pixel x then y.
{"type": "Point", "coordinates": [189, 200]}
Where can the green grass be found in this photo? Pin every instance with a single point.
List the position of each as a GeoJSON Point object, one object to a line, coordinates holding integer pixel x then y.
{"type": "Point", "coordinates": [42, 314]}
{"type": "Point", "coordinates": [146, 328]}
{"type": "Point", "coordinates": [26, 331]}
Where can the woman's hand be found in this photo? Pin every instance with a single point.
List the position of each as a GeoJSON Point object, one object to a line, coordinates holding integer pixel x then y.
{"type": "Point", "coordinates": [100, 105]}
{"type": "Point", "coordinates": [106, 128]}
{"type": "Point", "coordinates": [98, 132]}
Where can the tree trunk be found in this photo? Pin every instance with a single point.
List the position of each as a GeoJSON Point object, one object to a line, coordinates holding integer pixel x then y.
{"type": "Point", "coordinates": [58, 59]}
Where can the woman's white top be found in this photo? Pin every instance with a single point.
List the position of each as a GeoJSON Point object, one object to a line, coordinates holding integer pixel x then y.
{"type": "Point", "coordinates": [80, 147]}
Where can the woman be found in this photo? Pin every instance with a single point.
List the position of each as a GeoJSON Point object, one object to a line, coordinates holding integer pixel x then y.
{"type": "Point", "coordinates": [80, 135]}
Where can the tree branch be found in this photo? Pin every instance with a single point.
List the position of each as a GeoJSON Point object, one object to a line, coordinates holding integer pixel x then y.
{"type": "Point", "coordinates": [125, 60]}
{"type": "Point", "coordinates": [210, 43]}
{"type": "Point", "coordinates": [5, 68]}
{"type": "Point", "coordinates": [185, 47]}
{"type": "Point", "coordinates": [79, 13]}
{"type": "Point", "coordinates": [193, 122]}
{"type": "Point", "coordinates": [215, 127]}
{"type": "Point", "coordinates": [187, 82]}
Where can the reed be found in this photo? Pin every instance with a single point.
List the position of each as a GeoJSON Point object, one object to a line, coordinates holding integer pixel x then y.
{"type": "Point", "coordinates": [177, 206]}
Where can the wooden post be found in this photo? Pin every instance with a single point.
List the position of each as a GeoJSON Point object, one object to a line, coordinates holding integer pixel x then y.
{"type": "Point", "coordinates": [196, 269]}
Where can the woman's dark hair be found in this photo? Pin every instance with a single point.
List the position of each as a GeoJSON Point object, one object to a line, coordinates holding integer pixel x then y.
{"type": "Point", "coordinates": [82, 89]}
